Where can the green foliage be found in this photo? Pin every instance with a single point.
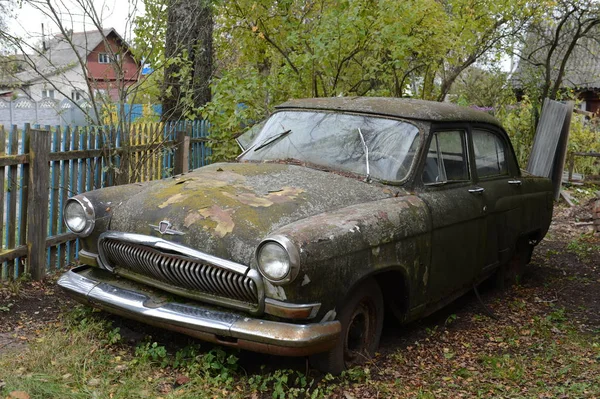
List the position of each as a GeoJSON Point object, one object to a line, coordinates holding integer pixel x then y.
{"type": "Point", "coordinates": [217, 364]}
{"type": "Point", "coordinates": [519, 122]}
{"type": "Point", "coordinates": [583, 247]}
{"type": "Point", "coordinates": [484, 88]}
{"type": "Point", "coordinates": [152, 352]}
{"type": "Point", "coordinates": [268, 52]}
{"type": "Point", "coordinates": [584, 137]}
{"type": "Point", "coordinates": [150, 30]}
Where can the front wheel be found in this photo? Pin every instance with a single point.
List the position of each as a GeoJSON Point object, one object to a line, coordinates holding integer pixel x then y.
{"type": "Point", "coordinates": [361, 317]}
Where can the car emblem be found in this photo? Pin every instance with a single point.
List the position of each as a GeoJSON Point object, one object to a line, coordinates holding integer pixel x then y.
{"type": "Point", "coordinates": [164, 227]}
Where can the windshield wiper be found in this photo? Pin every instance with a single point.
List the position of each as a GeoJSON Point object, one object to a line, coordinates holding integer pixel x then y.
{"type": "Point", "coordinates": [366, 150]}
{"type": "Point", "coordinates": [272, 139]}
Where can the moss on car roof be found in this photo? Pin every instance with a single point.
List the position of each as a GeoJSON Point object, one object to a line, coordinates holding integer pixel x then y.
{"type": "Point", "coordinates": [394, 107]}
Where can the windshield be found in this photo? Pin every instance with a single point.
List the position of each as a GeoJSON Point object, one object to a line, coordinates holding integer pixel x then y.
{"type": "Point", "coordinates": [335, 140]}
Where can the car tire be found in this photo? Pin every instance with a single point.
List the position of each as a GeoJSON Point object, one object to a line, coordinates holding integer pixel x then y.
{"type": "Point", "coordinates": [515, 268]}
{"type": "Point", "coordinates": [361, 317]}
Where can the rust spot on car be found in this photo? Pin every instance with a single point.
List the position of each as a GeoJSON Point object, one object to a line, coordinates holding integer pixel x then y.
{"type": "Point", "coordinates": [192, 218]}
{"type": "Point", "coordinates": [179, 197]}
{"type": "Point", "coordinates": [285, 194]}
{"type": "Point", "coordinates": [249, 199]}
{"type": "Point", "coordinates": [222, 218]}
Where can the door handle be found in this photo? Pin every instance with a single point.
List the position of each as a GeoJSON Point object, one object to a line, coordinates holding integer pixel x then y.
{"type": "Point", "coordinates": [515, 182]}
{"type": "Point", "coordinates": [477, 190]}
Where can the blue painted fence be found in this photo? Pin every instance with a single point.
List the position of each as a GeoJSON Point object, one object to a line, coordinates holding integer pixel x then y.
{"type": "Point", "coordinates": [81, 159]}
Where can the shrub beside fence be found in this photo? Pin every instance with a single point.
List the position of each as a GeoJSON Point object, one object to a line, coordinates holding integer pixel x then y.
{"type": "Point", "coordinates": [41, 168]}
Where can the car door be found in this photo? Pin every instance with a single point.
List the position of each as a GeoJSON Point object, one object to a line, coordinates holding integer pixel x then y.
{"type": "Point", "coordinates": [457, 213]}
{"type": "Point", "coordinates": [496, 172]}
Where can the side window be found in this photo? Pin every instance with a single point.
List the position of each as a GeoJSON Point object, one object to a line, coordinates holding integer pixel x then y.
{"type": "Point", "coordinates": [490, 154]}
{"type": "Point", "coordinates": [446, 158]}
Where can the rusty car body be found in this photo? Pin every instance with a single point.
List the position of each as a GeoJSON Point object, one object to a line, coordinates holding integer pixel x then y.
{"type": "Point", "coordinates": [337, 208]}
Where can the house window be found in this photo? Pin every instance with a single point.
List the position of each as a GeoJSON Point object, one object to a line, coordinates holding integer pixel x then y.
{"type": "Point", "coordinates": [76, 95]}
{"type": "Point", "coordinates": [46, 93]}
{"type": "Point", "coordinates": [106, 58]}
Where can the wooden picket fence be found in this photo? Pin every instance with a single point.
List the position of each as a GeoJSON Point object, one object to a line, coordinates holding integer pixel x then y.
{"type": "Point", "coordinates": [41, 167]}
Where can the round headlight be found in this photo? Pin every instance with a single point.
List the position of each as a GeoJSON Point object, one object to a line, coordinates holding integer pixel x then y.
{"type": "Point", "coordinates": [79, 216]}
{"type": "Point", "coordinates": [273, 261]}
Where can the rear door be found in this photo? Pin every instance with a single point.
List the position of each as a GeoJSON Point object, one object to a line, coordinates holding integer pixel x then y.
{"type": "Point", "coordinates": [496, 172]}
{"type": "Point", "coordinates": [456, 206]}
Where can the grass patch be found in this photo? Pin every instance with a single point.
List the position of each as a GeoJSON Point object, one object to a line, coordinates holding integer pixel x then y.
{"type": "Point", "coordinates": [583, 246]}
{"type": "Point", "coordinates": [83, 357]}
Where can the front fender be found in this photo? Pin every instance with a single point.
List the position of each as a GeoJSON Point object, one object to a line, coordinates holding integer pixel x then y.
{"type": "Point", "coordinates": [105, 201]}
{"type": "Point", "coordinates": [341, 248]}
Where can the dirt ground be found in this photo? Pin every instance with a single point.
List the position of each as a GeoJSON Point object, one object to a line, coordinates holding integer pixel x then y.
{"type": "Point", "coordinates": [564, 273]}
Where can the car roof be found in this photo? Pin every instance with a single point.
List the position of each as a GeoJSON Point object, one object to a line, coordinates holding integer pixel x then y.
{"type": "Point", "coordinates": [393, 107]}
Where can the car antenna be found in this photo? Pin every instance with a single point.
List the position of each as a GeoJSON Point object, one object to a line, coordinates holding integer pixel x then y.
{"type": "Point", "coordinates": [366, 149]}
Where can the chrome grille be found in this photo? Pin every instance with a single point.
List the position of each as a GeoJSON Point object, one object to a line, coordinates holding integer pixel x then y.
{"type": "Point", "coordinates": [180, 271]}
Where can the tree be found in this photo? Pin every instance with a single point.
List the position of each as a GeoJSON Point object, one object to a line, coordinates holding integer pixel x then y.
{"type": "Point", "coordinates": [188, 55]}
{"type": "Point", "coordinates": [479, 31]}
{"type": "Point", "coordinates": [269, 51]}
{"type": "Point", "coordinates": [482, 87]}
{"type": "Point", "coordinates": [549, 45]}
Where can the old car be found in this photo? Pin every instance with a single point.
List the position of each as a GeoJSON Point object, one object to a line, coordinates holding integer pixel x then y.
{"type": "Point", "coordinates": [338, 211]}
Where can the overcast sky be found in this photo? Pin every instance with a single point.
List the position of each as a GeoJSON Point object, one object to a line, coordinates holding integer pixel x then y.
{"type": "Point", "coordinates": [113, 13]}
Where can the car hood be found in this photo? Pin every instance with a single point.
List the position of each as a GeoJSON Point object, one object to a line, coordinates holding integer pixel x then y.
{"type": "Point", "coordinates": [227, 209]}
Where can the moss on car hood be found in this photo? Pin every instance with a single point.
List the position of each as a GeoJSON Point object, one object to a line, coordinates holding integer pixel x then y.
{"type": "Point", "coordinates": [227, 209]}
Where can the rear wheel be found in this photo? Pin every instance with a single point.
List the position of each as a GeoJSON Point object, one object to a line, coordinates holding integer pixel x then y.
{"type": "Point", "coordinates": [362, 321]}
{"type": "Point", "coordinates": [512, 272]}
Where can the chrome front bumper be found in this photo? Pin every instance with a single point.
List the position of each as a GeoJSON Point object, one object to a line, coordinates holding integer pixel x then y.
{"type": "Point", "coordinates": [101, 289]}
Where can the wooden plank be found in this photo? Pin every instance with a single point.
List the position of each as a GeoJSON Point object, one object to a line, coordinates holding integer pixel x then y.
{"type": "Point", "coordinates": [12, 254]}
{"type": "Point", "coordinates": [37, 218]}
{"type": "Point", "coordinates": [159, 153]}
{"type": "Point", "coordinates": [584, 112]}
{"type": "Point", "coordinates": [14, 160]}
{"type": "Point", "coordinates": [2, 172]}
{"type": "Point", "coordinates": [24, 195]}
{"type": "Point", "coordinates": [155, 164]}
{"type": "Point", "coordinates": [74, 154]}
{"type": "Point", "coordinates": [76, 187]}
{"type": "Point", "coordinates": [571, 168]}
{"type": "Point", "coordinates": [64, 181]}
{"type": "Point", "coordinates": [125, 157]}
{"type": "Point", "coordinates": [567, 197]}
{"type": "Point", "coordinates": [91, 161]}
{"type": "Point", "coordinates": [182, 153]}
{"type": "Point", "coordinates": [60, 239]}
{"type": "Point", "coordinates": [98, 160]}
{"type": "Point", "coordinates": [70, 184]}
{"type": "Point", "coordinates": [586, 154]}
{"type": "Point", "coordinates": [82, 185]}
{"type": "Point", "coordinates": [146, 159]}
{"type": "Point", "coordinates": [54, 195]}
{"type": "Point", "coordinates": [134, 166]}
{"type": "Point", "coordinates": [13, 145]}
{"type": "Point", "coordinates": [110, 157]}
